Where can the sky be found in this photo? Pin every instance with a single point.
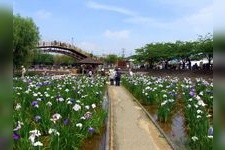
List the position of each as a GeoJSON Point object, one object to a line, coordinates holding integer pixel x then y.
{"type": "Point", "coordinates": [111, 26]}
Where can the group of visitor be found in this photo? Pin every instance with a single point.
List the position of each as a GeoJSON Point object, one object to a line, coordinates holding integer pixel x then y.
{"type": "Point", "coordinates": [115, 76]}
{"type": "Point", "coordinates": [90, 73]}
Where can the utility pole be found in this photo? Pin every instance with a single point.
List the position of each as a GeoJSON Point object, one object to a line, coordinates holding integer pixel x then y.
{"type": "Point", "coordinates": [123, 52]}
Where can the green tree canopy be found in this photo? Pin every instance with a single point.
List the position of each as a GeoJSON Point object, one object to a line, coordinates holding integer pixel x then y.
{"type": "Point", "coordinates": [64, 60]}
{"type": "Point", "coordinates": [180, 50]}
{"type": "Point", "coordinates": [205, 46]}
{"type": "Point", "coordinates": [39, 57]}
{"type": "Point", "coordinates": [155, 52]}
{"type": "Point", "coordinates": [111, 59]}
{"type": "Point", "coordinates": [25, 38]}
{"type": "Point", "coordinates": [42, 58]}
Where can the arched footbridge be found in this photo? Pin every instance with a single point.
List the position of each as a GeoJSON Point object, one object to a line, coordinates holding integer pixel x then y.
{"type": "Point", "coordinates": [63, 48]}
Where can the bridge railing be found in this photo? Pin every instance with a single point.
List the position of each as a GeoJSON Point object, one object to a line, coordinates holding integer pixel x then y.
{"type": "Point", "coordinates": [63, 45]}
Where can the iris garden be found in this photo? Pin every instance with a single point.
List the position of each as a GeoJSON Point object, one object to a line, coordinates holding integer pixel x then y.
{"type": "Point", "coordinates": [57, 112]}
{"type": "Point", "coordinates": [195, 96]}
{"type": "Point", "coordinates": [53, 112]}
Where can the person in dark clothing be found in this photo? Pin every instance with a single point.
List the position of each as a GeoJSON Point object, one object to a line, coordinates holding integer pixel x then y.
{"type": "Point", "coordinates": [117, 77]}
{"type": "Point", "coordinates": [195, 66]}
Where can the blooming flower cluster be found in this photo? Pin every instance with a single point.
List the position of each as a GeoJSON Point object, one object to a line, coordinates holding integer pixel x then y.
{"type": "Point", "coordinates": [33, 135]}
{"type": "Point", "coordinates": [53, 131]}
{"type": "Point", "coordinates": [155, 90]}
{"type": "Point", "coordinates": [194, 95]}
{"type": "Point", "coordinates": [198, 112]}
{"type": "Point", "coordinates": [59, 109]}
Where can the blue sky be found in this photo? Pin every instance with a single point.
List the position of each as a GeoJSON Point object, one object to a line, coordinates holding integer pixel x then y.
{"type": "Point", "coordinates": [108, 26]}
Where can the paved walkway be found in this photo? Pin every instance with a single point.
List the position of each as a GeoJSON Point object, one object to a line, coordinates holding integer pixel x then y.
{"type": "Point", "coordinates": [131, 129]}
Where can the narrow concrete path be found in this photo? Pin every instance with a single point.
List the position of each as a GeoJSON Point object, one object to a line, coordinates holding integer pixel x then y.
{"type": "Point", "coordinates": [131, 129]}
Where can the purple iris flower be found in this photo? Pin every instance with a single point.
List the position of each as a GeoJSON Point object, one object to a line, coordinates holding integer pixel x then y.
{"type": "Point", "coordinates": [172, 93]}
{"type": "Point", "coordinates": [58, 96]}
{"type": "Point", "coordinates": [91, 130]}
{"type": "Point", "coordinates": [66, 121]}
{"type": "Point", "coordinates": [46, 83]}
{"type": "Point", "coordinates": [192, 88]}
{"type": "Point", "coordinates": [210, 92]}
{"type": "Point", "coordinates": [210, 131]}
{"type": "Point", "coordinates": [37, 118]}
{"type": "Point", "coordinates": [16, 136]}
{"type": "Point", "coordinates": [39, 84]}
{"type": "Point", "coordinates": [34, 103]}
{"type": "Point", "coordinates": [192, 93]}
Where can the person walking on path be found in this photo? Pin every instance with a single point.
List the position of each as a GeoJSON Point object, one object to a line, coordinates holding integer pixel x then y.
{"type": "Point", "coordinates": [117, 76]}
{"type": "Point", "coordinates": [111, 76]}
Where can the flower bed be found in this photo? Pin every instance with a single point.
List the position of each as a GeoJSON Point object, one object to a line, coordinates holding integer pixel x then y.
{"type": "Point", "coordinates": [166, 93]}
{"type": "Point", "coordinates": [57, 113]}
{"type": "Point", "coordinates": [198, 105]}
{"type": "Point", "coordinates": [153, 90]}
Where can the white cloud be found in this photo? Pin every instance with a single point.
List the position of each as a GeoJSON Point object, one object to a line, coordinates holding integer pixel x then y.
{"type": "Point", "coordinates": [184, 3]}
{"type": "Point", "coordinates": [201, 21]}
{"type": "Point", "coordinates": [198, 23]}
{"type": "Point", "coordinates": [142, 20]}
{"type": "Point", "coordinates": [133, 17]}
{"type": "Point", "coordinates": [194, 24]}
{"type": "Point", "coordinates": [42, 14]}
{"type": "Point", "coordinates": [123, 34]}
{"type": "Point", "coordinates": [117, 9]}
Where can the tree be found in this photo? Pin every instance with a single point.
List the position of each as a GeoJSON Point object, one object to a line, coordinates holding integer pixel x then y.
{"type": "Point", "coordinates": [111, 59]}
{"type": "Point", "coordinates": [25, 38]}
{"type": "Point", "coordinates": [155, 52]}
{"type": "Point", "coordinates": [64, 60]}
{"type": "Point", "coordinates": [67, 60]}
{"type": "Point", "coordinates": [42, 58]}
{"type": "Point", "coordinates": [184, 51]}
{"type": "Point", "coordinates": [139, 56]}
{"type": "Point", "coordinates": [205, 47]}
